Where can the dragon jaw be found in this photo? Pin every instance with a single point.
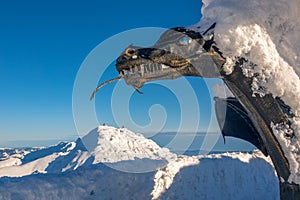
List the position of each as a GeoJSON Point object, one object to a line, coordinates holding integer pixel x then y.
{"type": "Point", "coordinates": [189, 55]}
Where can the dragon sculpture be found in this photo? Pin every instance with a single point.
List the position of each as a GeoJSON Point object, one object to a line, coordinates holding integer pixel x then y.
{"type": "Point", "coordinates": [183, 52]}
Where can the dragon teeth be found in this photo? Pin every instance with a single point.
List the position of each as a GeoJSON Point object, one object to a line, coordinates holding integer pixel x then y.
{"type": "Point", "coordinates": [141, 69]}
{"type": "Point", "coordinates": [144, 69]}
{"type": "Point", "coordinates": [154, 68]}
{"type": "Point", "coordinates": [165, 66]}
{"type": "Point", "coordinates": [151, 68]}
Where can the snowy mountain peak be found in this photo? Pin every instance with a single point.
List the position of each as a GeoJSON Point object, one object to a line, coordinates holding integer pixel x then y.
{"type": "Point", "coordinates": [110, 144]}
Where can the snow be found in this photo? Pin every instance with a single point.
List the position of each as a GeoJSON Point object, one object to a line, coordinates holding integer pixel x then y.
{"type": "Point", "coordinates": [11, 161]}
{"type": "Point", "coordinates": [266, 33]}
{"type": "Point", "coordinates": [110, 144]}
{"type": "Point", "coordinates": [36, 166]}
{"type": "Point", "coordinates": [224, 176]}
{"type": "Point", "coordinates": [69, 171]}
{"type": "Point", "coordinates": [25, 162]}
{"type": "Point", "coordinates": [283, 131]}
{"type": "Point", "coordinates": [163, 178]}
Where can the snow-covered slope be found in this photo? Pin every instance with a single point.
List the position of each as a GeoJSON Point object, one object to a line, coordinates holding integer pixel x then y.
{"type": "Point", "coordinates": [35, 161]}
{"type": "Point", "coordinates": [222, 176]}
{"type": "Point", "coordinates": [70, 171]}
{"type": "Point", "coordinates": [266, 33]}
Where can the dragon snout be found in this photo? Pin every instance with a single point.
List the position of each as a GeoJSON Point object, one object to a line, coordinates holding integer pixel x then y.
{"type": "Point", "coordinates": [133, 56]}
{"type": "Point", "coordinates": [129, 54]}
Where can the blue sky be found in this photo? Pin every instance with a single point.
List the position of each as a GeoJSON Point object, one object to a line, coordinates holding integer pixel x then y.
{"type": "Point", "coordinates": [43, 44]}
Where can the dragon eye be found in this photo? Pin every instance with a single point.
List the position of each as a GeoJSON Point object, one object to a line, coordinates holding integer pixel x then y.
{"type": "Point", "coordinates": [185, 40]}
{"type": "Point", "coordinates": [129, 52]}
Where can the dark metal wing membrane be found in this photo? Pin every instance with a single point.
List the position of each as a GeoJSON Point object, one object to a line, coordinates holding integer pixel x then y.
{"type": "Point", "coordinates": [235, 122]}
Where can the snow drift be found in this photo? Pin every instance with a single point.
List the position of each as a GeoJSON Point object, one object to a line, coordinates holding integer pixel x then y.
{"type": "Point", "coordinates": [70, 171]}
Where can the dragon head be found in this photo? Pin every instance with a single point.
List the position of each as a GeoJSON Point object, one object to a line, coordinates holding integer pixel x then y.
{"type": "Point", "coordinates": [178, 52]}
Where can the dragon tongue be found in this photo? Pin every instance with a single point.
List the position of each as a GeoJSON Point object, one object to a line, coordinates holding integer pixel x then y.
{"type": "Point", "coordinates": [103, 84]}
